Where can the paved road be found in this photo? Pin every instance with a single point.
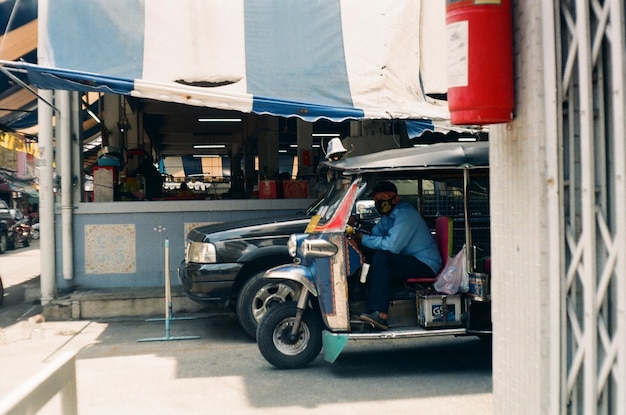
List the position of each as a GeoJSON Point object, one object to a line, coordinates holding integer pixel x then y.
{"type": "Point", "coordinates": [223, 372]}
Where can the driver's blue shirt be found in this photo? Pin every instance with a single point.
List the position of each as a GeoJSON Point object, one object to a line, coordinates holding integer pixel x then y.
{"type": "Point", "coordinates": [405, 232]}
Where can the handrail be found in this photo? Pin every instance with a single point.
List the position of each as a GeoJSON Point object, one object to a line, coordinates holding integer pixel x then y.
{"type": "Point", "coordinates": [58, 377]}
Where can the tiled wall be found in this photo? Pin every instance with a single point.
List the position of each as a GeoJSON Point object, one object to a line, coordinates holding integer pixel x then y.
{"type": "Point", "coordinates": [118, 245]}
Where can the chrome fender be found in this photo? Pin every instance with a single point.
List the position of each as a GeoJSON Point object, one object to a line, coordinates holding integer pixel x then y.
{"type": "Point", "coordinates": [293, 272]}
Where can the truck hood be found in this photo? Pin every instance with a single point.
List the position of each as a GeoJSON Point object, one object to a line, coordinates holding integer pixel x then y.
{"type": "Point", "coordinates": [251, 228]}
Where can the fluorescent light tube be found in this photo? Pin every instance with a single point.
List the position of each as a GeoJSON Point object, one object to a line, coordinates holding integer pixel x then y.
{"type": "Point", "coordinates": [219, 119]}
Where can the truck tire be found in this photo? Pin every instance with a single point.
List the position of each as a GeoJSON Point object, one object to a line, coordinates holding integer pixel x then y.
{"type": "Point", "coordinates": [257, 296]}
{"type": "Point", "coordinates": [4, 243]}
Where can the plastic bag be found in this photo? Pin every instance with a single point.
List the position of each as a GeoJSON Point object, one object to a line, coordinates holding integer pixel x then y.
{"type": "Point", "coordinates": [453, 278]}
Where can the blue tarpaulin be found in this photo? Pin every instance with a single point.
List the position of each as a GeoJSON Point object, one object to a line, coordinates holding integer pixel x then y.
{"type": "Point", "coordinates": [331, 59]}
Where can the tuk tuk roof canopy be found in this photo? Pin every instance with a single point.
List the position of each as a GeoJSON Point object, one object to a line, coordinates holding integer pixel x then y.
{"type": "Point", "coordinates": [335, 60]}
{"type": "Point", "coordinates": [435, 156]}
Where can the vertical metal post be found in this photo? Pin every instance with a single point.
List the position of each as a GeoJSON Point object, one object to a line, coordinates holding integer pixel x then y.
{"type": "Point", "coordinates": [65, 140]}
{"type": "Point", "coordinates": [588, 209]}
{"type": "Point", "coordinates": [554, 173]}
{"type": "Point", "coordinates": [168, 290]}
{"type": "Point", "coordinates": [168, 304]}
{"type": "Point", "coordinates": [46, 198]}
{"type": "Point", "coordinates": [469, 265]}
{"type": "Point", "coordinates": [618, 46]}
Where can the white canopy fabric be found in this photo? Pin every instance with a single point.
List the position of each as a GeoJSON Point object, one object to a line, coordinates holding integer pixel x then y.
{"type": "Point", "coordinates": [331, 59]}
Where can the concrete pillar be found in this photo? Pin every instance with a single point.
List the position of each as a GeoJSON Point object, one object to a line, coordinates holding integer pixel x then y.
{"type": "Point", "coordinates": [46, 197]}
{"type": "Point", "coordinates": [305, 153]}
{"type": "Point", "coordinates": [525, 228]}
{"type": "Point", "coordinates": [267, 128]}
{"type": "Point", "coordinates": [77, 147]}
{"type": "Point", "coordinates": [110, 118]}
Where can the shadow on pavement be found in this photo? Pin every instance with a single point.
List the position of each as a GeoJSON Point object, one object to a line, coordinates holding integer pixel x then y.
{"type": "Point", "coordinates": [225, 361]}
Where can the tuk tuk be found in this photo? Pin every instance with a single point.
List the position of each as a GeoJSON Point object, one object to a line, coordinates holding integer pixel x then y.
{"type": "Point", "coordinates": [449, 185]}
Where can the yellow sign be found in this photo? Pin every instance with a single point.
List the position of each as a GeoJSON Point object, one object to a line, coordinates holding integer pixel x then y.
{"type": "Point", "coordinates": [14, 143]}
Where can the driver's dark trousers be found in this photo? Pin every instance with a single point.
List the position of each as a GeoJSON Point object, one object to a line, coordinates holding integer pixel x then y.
{"type": "Point", "coordinates": [384, 269]}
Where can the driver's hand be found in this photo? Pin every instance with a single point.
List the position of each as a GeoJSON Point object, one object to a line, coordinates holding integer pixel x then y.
{"type": "Point", "coordinates": [352, 220]}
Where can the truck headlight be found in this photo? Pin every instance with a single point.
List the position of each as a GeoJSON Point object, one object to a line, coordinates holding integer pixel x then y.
{"type": "Point", "coordinates": [200, 252]}
{"type": "Point", "coordinates": [292, 245]}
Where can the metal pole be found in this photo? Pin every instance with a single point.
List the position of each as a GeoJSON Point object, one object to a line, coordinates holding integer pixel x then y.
{"type": "Point", "coordinates": [468, 230]}
{"type": "Point", "coordinates": [65, 139]}
{"type": "Point", "coordinates": [168, 305]}
{"type": "Point", "coordinates": [168, 291]}
{"type": "Point", "coordinates": [46, 199]}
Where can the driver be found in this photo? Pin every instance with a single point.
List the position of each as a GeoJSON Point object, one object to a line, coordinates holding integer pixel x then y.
{"type": "Point", "coordinates": [403, 248]}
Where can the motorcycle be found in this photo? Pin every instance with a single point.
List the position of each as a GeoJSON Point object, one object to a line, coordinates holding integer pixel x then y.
{"type": "Point", "coordinates": [34, 231]}
{"type": "Point", "coordinates": [330, 266]}
{"type": "Point", "coordinates": [22, 233]}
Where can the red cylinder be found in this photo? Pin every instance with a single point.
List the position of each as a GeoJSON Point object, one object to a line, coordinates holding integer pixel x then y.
{"type": "Point", "coordinates": [480, 61]}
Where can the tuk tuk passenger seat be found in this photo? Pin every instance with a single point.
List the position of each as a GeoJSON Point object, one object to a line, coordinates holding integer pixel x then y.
{"type": "Point", "coordinates": [443, 238]}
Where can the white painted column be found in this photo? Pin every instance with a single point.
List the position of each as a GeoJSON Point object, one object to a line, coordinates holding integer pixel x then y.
{"type": "Point", "coordinates": [65, 140]}
{"type": "Point", "coordinates": [46, 198]}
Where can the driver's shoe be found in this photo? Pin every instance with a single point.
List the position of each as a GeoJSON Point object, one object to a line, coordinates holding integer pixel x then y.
{"type": "Point", "coordinates": [375, 319]}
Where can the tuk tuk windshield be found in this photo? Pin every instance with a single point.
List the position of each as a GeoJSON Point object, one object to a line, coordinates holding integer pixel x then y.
{"type": "Point", "coordinates": [339, 190]}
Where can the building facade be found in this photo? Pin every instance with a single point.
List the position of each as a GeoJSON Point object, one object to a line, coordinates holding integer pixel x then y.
{"type": "Point", "coordinates": [558, 203]}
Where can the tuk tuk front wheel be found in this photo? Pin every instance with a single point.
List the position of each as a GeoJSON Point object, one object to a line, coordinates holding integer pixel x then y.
{"type": "Point", "coordinates": [279, 347]}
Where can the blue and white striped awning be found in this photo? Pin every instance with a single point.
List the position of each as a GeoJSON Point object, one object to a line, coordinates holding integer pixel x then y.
{"type": "Point", "coordinates": [331, 59]}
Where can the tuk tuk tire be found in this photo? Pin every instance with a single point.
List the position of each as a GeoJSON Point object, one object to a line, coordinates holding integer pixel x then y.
{"type": "Point", "coordinates": [257, 296]}
{"type": "Point", "coordinates": [284, 354]}
{"type": "Point", "coordinates": [1, 291]}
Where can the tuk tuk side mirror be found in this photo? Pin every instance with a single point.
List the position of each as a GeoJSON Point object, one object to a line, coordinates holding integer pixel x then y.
{"type": "Point", "coordinates": [365, 209]}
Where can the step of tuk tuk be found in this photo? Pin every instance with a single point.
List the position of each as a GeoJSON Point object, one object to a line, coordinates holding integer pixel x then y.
{"type": "Point", "coordinates": [401, 312]}
{"type": "Point", "coordinates": [403, 333]}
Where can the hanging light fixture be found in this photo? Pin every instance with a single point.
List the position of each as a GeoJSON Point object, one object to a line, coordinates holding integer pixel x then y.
{"type": "Point", "coordinates": [335, 149]}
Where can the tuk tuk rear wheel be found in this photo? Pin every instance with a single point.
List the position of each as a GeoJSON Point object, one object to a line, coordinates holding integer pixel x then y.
{"type": "Point", "coordinates": [275, 342]}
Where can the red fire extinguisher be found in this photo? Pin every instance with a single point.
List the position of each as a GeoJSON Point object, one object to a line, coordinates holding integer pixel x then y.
{"type": "Point", "coordinates": [480, 61]}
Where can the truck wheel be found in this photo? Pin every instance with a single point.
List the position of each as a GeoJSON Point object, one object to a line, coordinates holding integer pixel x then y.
{"type": "Point", "coordinates": [257, 296]}
{"type": "Point", "coordinates": [1, 291]}
{"type": "Point", "coordinates": [4, 242]}
{"type": "Point", "coordinates": [275, 342]}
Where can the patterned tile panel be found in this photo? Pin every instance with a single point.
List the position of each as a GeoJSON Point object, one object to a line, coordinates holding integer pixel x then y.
{"type": "Point", "coordinates": [110, 249]}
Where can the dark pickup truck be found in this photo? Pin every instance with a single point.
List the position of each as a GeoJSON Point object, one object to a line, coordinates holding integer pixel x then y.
{"type": "Point", "coordinates": [224, 265]}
